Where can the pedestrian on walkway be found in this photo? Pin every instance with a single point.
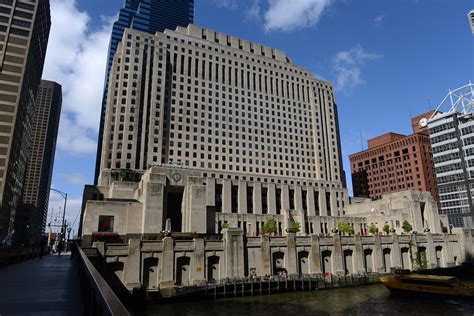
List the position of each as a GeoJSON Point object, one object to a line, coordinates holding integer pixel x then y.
{"type": "Point", "coordinates": [60, 247]}
{"type": "Point", "coordinates": [42, 247]}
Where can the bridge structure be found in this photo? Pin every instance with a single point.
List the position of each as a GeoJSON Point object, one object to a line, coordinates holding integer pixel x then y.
{"type": "Point", "coordinates": [66, 284]}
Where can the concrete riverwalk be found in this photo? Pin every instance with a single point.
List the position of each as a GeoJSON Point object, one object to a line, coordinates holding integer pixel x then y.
{"type": "Point", "coordinates": [47, 286]}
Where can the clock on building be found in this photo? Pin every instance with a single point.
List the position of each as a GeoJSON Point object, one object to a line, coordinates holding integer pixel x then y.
{"type": "Point", "coordinates": [423, 122]}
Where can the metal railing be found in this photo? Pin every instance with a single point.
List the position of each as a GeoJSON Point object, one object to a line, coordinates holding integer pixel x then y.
{"type": "Point", "coordinates": [9, 255]}
{"type": "Point", "coordinates": [97, 296]}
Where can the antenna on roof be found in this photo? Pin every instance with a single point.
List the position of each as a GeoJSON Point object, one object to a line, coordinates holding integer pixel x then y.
{"type": "Point", "coordinates": [411, 114]}
{"type": "Point", "coordinates": [361, 142]}
{"type": "Point", "coordinates": [429, 103]}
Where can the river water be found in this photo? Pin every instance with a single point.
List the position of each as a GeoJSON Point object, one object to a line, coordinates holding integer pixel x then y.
{"type": "Point", "coordinates": [366, 300]}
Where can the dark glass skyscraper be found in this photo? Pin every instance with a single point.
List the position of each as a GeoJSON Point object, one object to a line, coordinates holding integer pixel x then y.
{"type": "Point", "coordinates": [39, 171]}
{"type": "Point", "coordinates": [148, 16]}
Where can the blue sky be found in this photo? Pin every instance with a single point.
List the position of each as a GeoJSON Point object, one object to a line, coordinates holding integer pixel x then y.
{"type": "Point", "coordinates": [387, 58]}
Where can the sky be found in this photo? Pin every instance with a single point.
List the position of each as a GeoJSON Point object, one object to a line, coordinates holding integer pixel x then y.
{"type": "Point", "coordinates": [388, 59]}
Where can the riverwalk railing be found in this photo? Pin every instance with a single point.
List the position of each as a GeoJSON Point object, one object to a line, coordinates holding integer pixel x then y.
{"type": "Point", "coordinates": [232, 287]}
{"type": "Point", "coordinates": [9, 255]}
{"type": "Point", "coordinates": [97, 296]}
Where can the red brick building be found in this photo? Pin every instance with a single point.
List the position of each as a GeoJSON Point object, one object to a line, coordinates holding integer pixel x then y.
{"type": "Point", "coordinates": [395, 162]}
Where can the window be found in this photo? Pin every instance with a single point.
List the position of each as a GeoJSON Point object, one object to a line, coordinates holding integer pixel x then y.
{"type": "Point", "coordinates": [106, 223]}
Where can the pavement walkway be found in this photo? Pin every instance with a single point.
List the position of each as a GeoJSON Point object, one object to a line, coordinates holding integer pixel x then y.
{"type": "Point", "coordinates": [48, 286]}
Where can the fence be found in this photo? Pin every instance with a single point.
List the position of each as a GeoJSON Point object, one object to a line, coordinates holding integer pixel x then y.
{"type": "Point", "coordinates": [97, 296]}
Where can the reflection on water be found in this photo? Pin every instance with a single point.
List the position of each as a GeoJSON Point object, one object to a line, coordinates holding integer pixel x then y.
{"type": "Point", "coordinates": [368, 300]}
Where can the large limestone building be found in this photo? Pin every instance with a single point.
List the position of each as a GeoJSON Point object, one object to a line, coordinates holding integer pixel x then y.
{"type": "Point", "coordinates": [229, 131]}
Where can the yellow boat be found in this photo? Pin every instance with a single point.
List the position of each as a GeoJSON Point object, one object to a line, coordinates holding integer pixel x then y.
{"type": "Point", "coordinates": [412, 283]}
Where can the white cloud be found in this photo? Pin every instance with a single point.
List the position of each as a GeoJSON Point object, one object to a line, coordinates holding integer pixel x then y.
{"type": "Point", "coordinates": [228, 4]}
{"type": "Point", "coordinates": [346, 66]}
{"type": "Point", "coordinates": [74, 178]}
{"type": "Point", "coordinates": [76, 59]}
{"type": "Point", "coordinates": [253, 12]}
{"type": "Point", "coordinates": [288, 15]}
{"type": "Point", "coordinates": [379, 19]}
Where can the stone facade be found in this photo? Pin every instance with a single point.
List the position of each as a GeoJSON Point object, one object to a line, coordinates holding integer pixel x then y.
{"type": "Point", "coordinates": [166, 263]}
{"type": "Point", "coordinates": [196, 201]}
{"type": "Point", "coordinates": [417, 207]}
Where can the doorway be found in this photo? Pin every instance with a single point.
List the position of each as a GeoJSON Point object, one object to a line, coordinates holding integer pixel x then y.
{"type": "Point", "coordinates": [174, 199]}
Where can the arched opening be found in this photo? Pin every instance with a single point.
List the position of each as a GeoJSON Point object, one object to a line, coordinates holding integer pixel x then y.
{"type": "Point", "coordinates": [183, 271]}
{"type": "Point", "coordinates": [278, 262]}
{"type": "Point", "coordinates": [423, 261]}
{"type": "Point", "coordinates": [327, 261]}
{"type": "Point", "coordinates": [387, 260]}
{"type": "Point", "coordinates": [439, 256]}
{"type": "Point", "coordinates": [348, 265]}
{"type": "Point", "coordinates": [213, 268]}
{"type": "Point", "coordinates": [368, 261]}
{"type": "Point", "coordinates": [406, 261]}
{"type": "Point", "coordinates": [150, 272]}
{"type": "Point", "coordinates": [303, 262]}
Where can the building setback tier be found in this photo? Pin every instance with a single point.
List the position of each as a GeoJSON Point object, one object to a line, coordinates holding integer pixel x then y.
{"type": "Point", "coordinates": [195, 201]}
{"type": "Point", "coordinates": [208, 100]}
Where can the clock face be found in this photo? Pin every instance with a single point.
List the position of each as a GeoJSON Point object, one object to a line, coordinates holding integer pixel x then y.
{"type": "Point", "coordinates": [176, 177]}
{"type": "Point", "coordinates": [423, 122]}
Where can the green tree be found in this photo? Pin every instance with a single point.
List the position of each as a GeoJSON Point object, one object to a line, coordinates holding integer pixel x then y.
{"type": "Point", "coordinates": [407, 227]}
{"type": "Point", "coordinates": [225, 225]}
{"type": "Point", "coordinates": [386, 228]}
{"type": "Point", "coordinates": [345, 227]}
{"type": "Point", "coordinates": [294, 227]}
{"type": "Point", "coordinates": [373, 229]}
{"type": "Point", "coordinates": [270, 226]}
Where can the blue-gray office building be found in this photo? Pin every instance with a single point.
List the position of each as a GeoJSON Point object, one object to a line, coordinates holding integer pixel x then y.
{"type": "Point", "coordinates": [148, 16]}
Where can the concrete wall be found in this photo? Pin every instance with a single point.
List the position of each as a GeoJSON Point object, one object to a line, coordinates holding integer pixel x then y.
{"type": "Point", "coordinates": [167, 263]}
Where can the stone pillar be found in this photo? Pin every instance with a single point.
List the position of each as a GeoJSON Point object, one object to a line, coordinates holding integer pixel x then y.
{"type": "Point", "coordinates": [131, 276]}
{"type": "Point", "coordinates": [266, 255]}
{"type": "Point", "coordinates": [431, 252]}
{"type": "Point", "coordinates": [226, 196]}
{"type": "Point", "coordinates": [291, 255]}
{"type": "Point", "coordinates": [448, 257]}
{"type": "Point", "coordinates": [358, 255]}
{"type": "Point", "coordinates": [338, 255]}
{"type": "Point", "coordinates": [271, 199]}
{"type": "Point", "coordinates": [298, 198]}
{"type": "Point", "coordinates": [323, 211]}
{"type": "Point", "coordinates": [233, 252]}
{"type": "Point", "coordinates": [257, 198]}
{"type": "Point", "coordinates": [396, 252]}
{"type": "Point", "coordinates": [465, 239]}
{"type": "Point", "coordinates": [310, 201]}
{"type": "Point", "coordinates": [198, 276]}
{"type": "Point", "coordinates": [197, 210]}
{"type": "Point", "coordinates": [153, 202]}
{"type": "Point", "coordinates": [414, 250]}
{"type": "Point", "coordinates": [415, 208]}
{"type": "Point", "coordinates": [285, 197]}
{"type": "Point", "coordinates": [167, 263]}
{"type": "Point", "coordinates": [211, 192]}
{"type": "Point", "coordinates": [315, 256]}
{"type": "Point", "coordinates": [242, 197]}
{"type": "Point", "coordinates": [378, 254]}
{"type": "Point", "coordinates": [333, 201]}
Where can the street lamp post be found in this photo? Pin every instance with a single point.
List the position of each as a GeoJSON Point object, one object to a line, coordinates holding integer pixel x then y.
{"type": "Point", "coordinates": [64, 196]}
